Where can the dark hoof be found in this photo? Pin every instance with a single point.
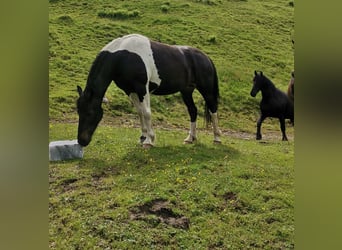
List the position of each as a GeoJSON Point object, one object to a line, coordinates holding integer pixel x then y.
{"type": "Point", "coordinates": [142, 139]}
{"type": "Point", "coordinates": [187, 142]}
{"type": "Point", "coordinates": [217, 142]}
{"type": "Point", "coordinates": [258, 137]}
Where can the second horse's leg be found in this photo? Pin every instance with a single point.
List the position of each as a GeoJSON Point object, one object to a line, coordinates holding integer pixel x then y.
{"type": "Point", "coordinates": [282, 127]}
{"type": "Point", "coordinates": [259, 122]}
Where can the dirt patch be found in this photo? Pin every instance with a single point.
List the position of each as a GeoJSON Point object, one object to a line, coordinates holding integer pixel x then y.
{"type": "Point", "coordinates": [159, 211]}
{"type": "Point", "coordinates": [229, 196]}
{"type": "Point", "coordinates": [232, 200]}
{"type": "Point", "coordinates": [67, 184]}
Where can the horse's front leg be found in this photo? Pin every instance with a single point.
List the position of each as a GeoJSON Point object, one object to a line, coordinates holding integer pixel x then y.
{"type": "Point", "coordinates": [282, 127]}
{"type": "Point", "coordinates": [259, 122]}
{"type": "Point", "coordinates": [192, 134]}
{"type": "Point", "coordinates": [147, 135]}
{"type": "Point", "coordinates": [150, 136]}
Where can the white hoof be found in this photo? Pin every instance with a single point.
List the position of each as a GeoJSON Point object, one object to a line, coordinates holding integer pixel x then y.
{"type": "Point", "coordinates": [190, 139]}
{"type": "Point", "coordinates": [217, 142]}
{"type": "Point", "coordinates": [147, 145]}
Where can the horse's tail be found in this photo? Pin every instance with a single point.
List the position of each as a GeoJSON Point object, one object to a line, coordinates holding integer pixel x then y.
{"type": "Point", "coordinates": [216, 96]}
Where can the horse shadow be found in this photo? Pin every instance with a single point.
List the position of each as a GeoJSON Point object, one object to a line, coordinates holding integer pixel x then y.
{"type": "Point", "coordinates": [137, 159]}
{"type": "Point", "coordinates": [166, 156]}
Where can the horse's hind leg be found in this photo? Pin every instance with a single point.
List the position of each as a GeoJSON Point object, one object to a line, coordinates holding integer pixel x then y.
{"type": "Point", "coordinates": [211, 103]}
{"type": "Point", "coordinates": [259, 122]}
{"type": "Point", "coordinates": [211, 110]}
{"type": "Point", "coordinates": [217, 131]}
{"type": "Point", "coordinates": [189, 102]}
{"type": "Point", "coordinates": [282, 127]}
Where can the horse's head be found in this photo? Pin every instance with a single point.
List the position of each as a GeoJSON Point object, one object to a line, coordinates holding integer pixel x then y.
{"type": "Point", "coordinates": [90, 114]}
{"type": "Point", "coordinates": [257, 83]}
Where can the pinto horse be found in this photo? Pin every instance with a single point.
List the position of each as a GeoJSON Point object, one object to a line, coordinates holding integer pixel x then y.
{"type": "Point", "coordinates": [140, 67]}
{"type": "Point", "coordinates": [274, 103]}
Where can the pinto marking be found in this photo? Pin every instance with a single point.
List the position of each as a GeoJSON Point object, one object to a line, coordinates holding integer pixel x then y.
{"type": "Point", "coordinates": [141, 46]}
{"type": "Point", "coordinates": [141, 67]}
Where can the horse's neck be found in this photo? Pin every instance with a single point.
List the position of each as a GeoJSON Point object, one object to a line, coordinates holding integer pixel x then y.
{"type": "Point", "coordinates": [99, 76]}
{"type": "Point", "coordinates": [100, 87]}
{"type": "Point", "coordinates": [268, 90]}
{"type": "Point", "coordinates": [98, 84]}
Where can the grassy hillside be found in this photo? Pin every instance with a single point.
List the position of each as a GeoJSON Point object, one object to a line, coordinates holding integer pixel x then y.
{"type": "Point", "coordinates": [238, 195]}
{"type": "Point", "coordinates": [240, 36]}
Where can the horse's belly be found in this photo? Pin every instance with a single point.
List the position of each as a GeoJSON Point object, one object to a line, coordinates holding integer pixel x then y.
{"type": "Point", "coordinates": [166, 88]}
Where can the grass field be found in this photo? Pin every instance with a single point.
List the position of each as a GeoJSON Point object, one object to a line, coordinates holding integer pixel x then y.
{"type": "Point", "coordinates": [238, 195]}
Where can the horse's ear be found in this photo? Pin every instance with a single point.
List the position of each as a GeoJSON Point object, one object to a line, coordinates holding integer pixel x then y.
{"type": "Point", "coordinates": [79, 90]}
{"type": "Point", "coordinates": [260, 73]}
{"type": "Point", "coordinates": [255, 73]}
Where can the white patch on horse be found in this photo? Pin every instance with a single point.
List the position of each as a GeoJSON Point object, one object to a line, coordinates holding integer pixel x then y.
{"type": "Point", "coordinates": [192, 133]}
{"type": "Point", "coordinates": [141, 46]}
{"type": "Point", "coordinates": [181, 48]}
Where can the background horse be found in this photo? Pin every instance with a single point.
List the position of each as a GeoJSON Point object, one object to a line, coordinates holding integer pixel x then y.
{"type": "Point", "coordinates": [290, 88]}
{"type": "Point", "coordinates": [139, 67]}
{"type": "Point", "coordinates": [274, 103]}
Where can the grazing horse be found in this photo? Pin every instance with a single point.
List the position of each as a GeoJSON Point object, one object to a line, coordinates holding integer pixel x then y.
{"type": "Point", "coordinates": [274, 103]}
{"type": "Point", "coordinates": [140, 67]}
{"type": "Point", "coordinates": [290, 88]}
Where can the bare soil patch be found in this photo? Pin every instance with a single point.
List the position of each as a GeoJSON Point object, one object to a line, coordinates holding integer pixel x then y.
{"type": "Point", "coordinates": [159, 211]}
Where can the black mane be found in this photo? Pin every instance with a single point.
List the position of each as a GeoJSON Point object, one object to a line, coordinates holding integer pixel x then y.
{"type": "Point", "coordinates": [95, 71]}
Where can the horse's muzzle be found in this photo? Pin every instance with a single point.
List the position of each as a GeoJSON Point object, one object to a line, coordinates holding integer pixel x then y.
{"type": "Point", "coordinates": [83, 143]}
{"type": "Point", "coordinates": [83, 140]}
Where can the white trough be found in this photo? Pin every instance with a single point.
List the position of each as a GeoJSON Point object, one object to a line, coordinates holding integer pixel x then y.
{"type": "Point", "coordinates": [65, 150]}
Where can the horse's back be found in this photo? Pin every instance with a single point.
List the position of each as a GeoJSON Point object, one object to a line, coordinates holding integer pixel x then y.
{"type": "Point", "coordinates": [181, 67]}
{"type": "Point", "coordinates": [132, 42]}
{"type": "Point", "coordinates": [203, 69]}
{"type": "Point", "coordinates": [137, 45]}
{"type": "Point", "coordinates": [278, 105]}
{"type": "Point", "coordinates": [173, 68]}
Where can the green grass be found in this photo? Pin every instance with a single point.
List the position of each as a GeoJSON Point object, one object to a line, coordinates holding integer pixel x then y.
{"type": "Point", "coordinates": [238, 195]}
{"type": "Point", "coordinates": [234, 195]}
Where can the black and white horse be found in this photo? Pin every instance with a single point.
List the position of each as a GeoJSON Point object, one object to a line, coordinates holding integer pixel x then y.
{"type": "Point", "coordinates": [274, 103]}
{"type": "Point", "coordinates": [141, 67]}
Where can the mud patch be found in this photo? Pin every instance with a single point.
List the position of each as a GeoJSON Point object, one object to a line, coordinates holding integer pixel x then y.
{"type": "Point", "coordinates": [67, 184]}
{"type": "Point", "coordinates": [159, 211]}
{"type": "Point", "coordinates": [232, 200]}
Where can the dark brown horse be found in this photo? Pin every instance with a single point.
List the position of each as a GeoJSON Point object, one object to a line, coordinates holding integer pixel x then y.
{"type": "Point", "coordinates": [141, 67]}
{"type": "Point", "coordinates": [274, 103]}
{"type": "Point", "coordinates": [290, 88]}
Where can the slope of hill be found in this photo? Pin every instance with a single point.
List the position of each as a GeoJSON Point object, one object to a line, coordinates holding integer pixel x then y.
{"type": "Point", "coordinates": [238, 195]}
{"type": "Point", "coordinates": [239, 35]}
